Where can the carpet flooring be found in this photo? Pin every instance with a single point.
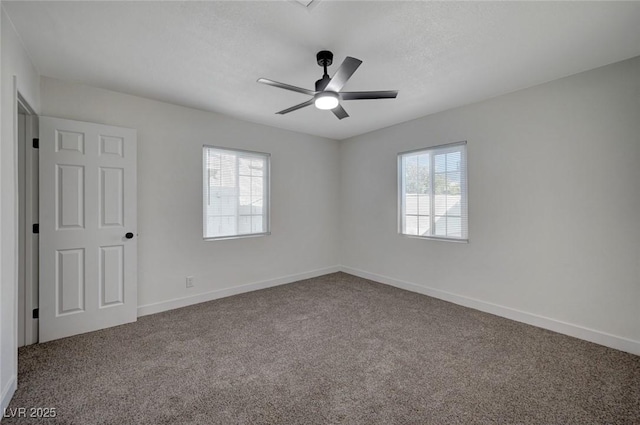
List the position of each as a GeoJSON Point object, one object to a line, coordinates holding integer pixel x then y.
{"type": "Point", "coordinates": [330, 350]}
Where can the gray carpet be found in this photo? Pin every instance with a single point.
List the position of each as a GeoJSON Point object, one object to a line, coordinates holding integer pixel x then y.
{"type": "Point", "coordinates": [331, 350]}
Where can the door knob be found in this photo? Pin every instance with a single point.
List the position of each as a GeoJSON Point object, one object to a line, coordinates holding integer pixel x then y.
{"type": "Point", "coordinates": [129, 235]}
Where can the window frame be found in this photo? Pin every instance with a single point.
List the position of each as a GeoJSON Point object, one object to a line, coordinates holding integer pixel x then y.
{"type": "Point", "coordinates": [464, 184]}
{"type": "Point", "coordinates": [266, 201]}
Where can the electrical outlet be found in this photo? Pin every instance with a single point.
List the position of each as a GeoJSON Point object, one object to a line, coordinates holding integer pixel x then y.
{"type": "Point", "coordinates": [189, 281]}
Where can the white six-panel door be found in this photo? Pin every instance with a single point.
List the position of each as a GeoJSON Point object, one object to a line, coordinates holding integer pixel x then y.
{"type": "Point", "coordinates": [88, 239]}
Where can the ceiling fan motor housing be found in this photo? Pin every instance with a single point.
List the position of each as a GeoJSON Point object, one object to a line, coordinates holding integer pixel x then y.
{"type": "Point", "coordinates": [322, 83]}
{"type": "Point", "coordinates": [324, 58]}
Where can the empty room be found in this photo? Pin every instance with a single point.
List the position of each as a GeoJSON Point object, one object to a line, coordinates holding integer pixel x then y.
{"type": "Point", "coordinates": [320, 212]}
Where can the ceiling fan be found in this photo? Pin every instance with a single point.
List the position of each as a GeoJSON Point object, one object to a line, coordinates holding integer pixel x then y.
{"type": "Point", "coordinates": [327, 94]}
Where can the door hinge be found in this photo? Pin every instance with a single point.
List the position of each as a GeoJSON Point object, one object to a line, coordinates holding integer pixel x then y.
{"type": "Point", "coordinates": [36, 313]}
{"type": "Point", "coordinates": [36, 143]}
{"type": "Point", "coordinates": [36, 228]}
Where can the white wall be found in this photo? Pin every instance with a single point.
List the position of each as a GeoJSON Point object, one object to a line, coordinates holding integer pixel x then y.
{"type": "Point", "coordinates": [304, 196]}
{"type": "Point", "coordinates": [14, 62]}
{"type": "Point", "coordinates": [554, 206]}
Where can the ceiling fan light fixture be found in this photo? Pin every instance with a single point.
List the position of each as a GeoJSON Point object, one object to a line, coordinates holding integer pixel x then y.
{"type": "Point", "coordinates": [328, 92]}
{"type": "Point", "coordinates": [326, 100]}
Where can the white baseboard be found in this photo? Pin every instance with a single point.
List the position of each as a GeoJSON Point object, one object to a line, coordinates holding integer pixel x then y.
{"type": "Point", "coordinates": [7, 393]}
{"type": "Point", "coordinates": [147, 309]}
{"type": "Point", "coordinates": [598, 337]}
{"type": "Point", "coordinates": [577, 331]}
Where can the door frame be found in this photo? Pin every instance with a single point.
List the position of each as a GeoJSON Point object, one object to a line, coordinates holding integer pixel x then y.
{"type": "Point", "coordinates": [29, 254]}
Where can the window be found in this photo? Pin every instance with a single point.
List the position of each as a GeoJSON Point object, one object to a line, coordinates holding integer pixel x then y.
{"type": "Point", "coordinates": [433, 192]}
{"type": "Point", "coordinates": [236, 193]}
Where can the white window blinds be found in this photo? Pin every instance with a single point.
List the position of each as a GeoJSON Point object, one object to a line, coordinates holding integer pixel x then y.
{"type": "Point", "coordinates": [236, 193]}
{"type": "Point", "coordinates": [433, 192]}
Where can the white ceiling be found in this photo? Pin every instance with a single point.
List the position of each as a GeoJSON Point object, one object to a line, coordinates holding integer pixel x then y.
{"type": "Point", "coordinates": [208, 55]}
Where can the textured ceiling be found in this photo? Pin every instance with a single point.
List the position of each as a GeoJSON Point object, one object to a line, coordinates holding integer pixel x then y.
{"type": "Point", "coordinates": [208, 55]}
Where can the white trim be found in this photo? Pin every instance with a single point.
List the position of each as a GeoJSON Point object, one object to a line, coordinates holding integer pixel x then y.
{"type": "Point", "coordinates": [7, 393]}
{"type": "Point", "coordinates": [16, 226]}
{"type": "Point", "coordinates": [247, 235]}
{"type": "Point", "coordinates": [266, 192]}
{"type": "Point", "coordinates": [434, 238]}
{"type": "Point", "coordinates": [432, 152]}
{"type": "Point", "coordinates": [577, 331]}
{"type": "Point", "coordinates": [32, 242]}
{"type": "Point", "coordinates": [153, 308]}
{"type": "Point", "coordinates": [30, 216]}
{"type": "Point", "coordinates": [427, 148]}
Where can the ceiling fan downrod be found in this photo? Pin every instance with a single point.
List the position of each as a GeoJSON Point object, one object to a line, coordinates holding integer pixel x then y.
{"type": "Point", "coordinates": [325, 59]}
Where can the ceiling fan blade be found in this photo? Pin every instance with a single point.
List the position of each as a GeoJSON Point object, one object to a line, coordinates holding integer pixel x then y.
{"type": "Point", "coordinates": [340, 112]}
{"type": "Point", "coordinates": [295, 108]}
{"type": "Point", "coordinates": [355, 95]}
{"type": "Point", "coordinates": [286, 86]}
{"type": "Point", "coordinates": [343, 74]}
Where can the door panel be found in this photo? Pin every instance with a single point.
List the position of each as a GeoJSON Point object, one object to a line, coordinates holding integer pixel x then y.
{"type": "Point", "coordinates": [88, 268]}
{"type": "Point", "coordinates": [69, 196]}
{"type": "Point", "coordinates": [111, 197]}
{"type": "Point", "coordinates": [111, 275]}
{"type": "Point", "coordinates": [70, 281]}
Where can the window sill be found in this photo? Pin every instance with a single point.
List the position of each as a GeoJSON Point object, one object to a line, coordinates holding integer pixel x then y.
{"type": "Point", "coordinates": [250, 235]}
{"type": "Point", "coordinates": [435, 238]}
